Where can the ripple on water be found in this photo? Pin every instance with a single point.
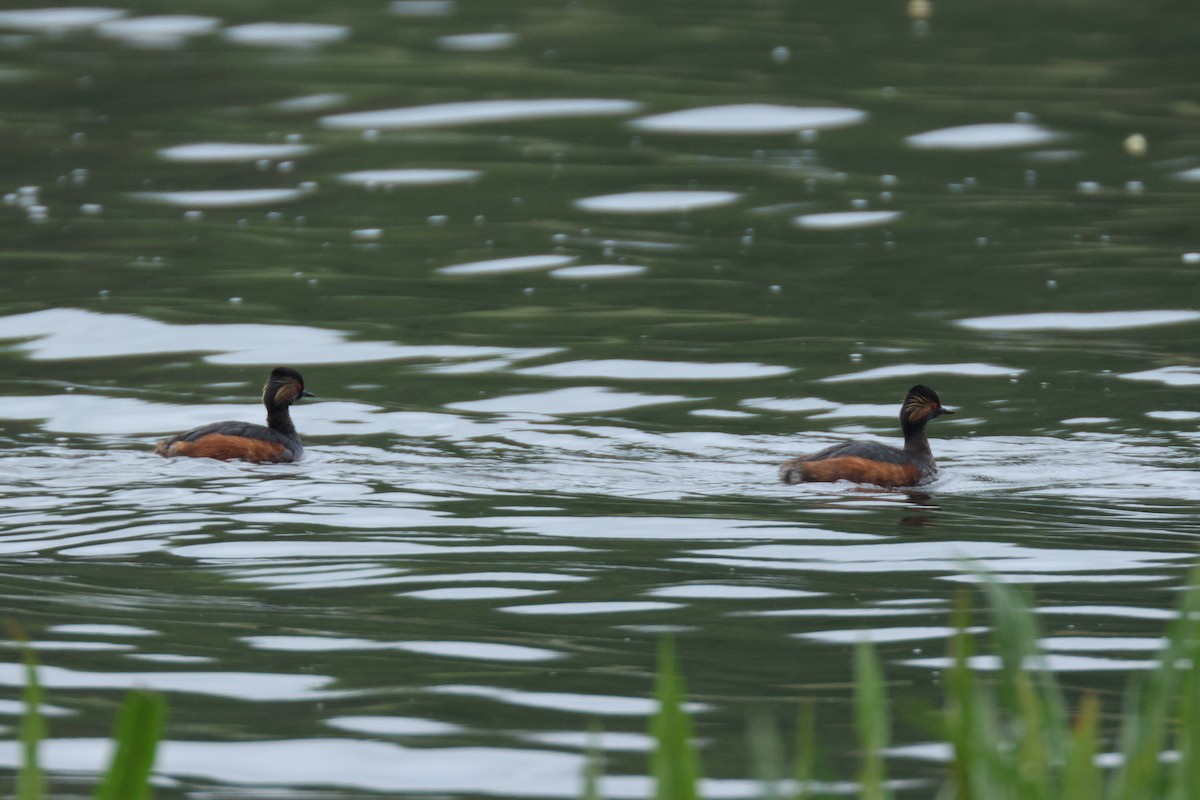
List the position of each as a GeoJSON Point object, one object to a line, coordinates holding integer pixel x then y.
{"type": "Point", "coordinates": [987, 136]}
{"type": "Point", "coordinates": [477, 42]}
{"type": "Point", "coordinates": [598, 272]}
{"type": "Point", "coordinates": [69, 333]}
{"type": "Point", "coordinates": [483, 651]}
{"type": "Point", "coordinates": [631, 369]}
{"type": "Point", "coordinates": [55, 20]}
{"type": "Point", "coordinates": [232, 152]}
{"type": "Point", "coordinates": [717, 591]}
{"type": "Point", "coordinates": [589, 704]}
{"type": "Point", "coordinates": [250, 686]}
{"type": "Point", "coordinates": [475, 593]}
{"type": "Point", "coordinates": [1079, 321]}
{"type": "Point", "coordinates": [286, 34]}
{"type": "Point", "coordinates": [844, 220]}
{"type": "Point", "coordinates": [222, 198]}
{"type": "Point", "coordinates": [1171, 376]}
{"type": "Point", "coordinates": [479, 112]}
{"type": "Point", "coordinates": [974, 369]}
{"type": "Point", "coordinates": [560, 402]}
{"type": "Point", "coordinates": [590, 608]}
{"type": "Point", "coordinates": [501, 266]}
{"type": "Point", "coordinates": [393, 726]}
{"type": "Point", "coordinates": [749, 118]}
{"type": "Point", "coordinates": [358, 764]}
{"type": "Point", "coordinates": [164, 30]}
{"type": "Point", "coordinates": [664, 202]}
{"type": "Point", "coordinates": [422, 8]}
{"type": "Point", "coordinates": [946, 557]}
{"type": "Point", "coordinates": [372, 178]}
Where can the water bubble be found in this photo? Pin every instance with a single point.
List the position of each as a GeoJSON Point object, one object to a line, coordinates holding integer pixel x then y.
{"type": "Point", "coordinates": [1135, 145]}
{"type": "Point", "coordinates": [560, 238]}
{"type": "Point", "coordinates": [1025, 117]}
{"type": "Point", "coordinates": [809, 136]}
{"type": "Point", "coordinates": [262, 164]}
{"type": "Point", "coordinates": [294, 138]}
{"type": "Point", "coordinates": [91, 209]}
{"type": "Point", "coordinates": [885, 197]}
{"type": "Point", "coordinates": [480, 219]}
{"type": "Point", "coordinates": [194, 215]}
{"type": "Point", "coordinates": [285, 166]}
{"type": "Point", "coordinates": [889, 91]}
{"type": "Point", "coordinates": [776, 288]}
{"type": "Point", "coordinates": [103, 293]}
{"type": "Point", "coordinates": [235, 300]}
{"type": "Point", "coordinates": [275, 216]}
{"type": "Point", "coordinates": [981, 241]}
{"type": "Point", "coordinates": [920, 9]}
{"type": "Point", "coordinates": [437, 219]}
{"type": "Point", "coordinates": [370, 135]}
{"type": "Point", "coordinates": [1088, 187]}
{"type": "Point", "coordinates": [79, 137]}
{"type": "Point", "coordinates": [528, 290]}
{"type": "Point", "coordinates": [781, 55]}
{"type": "Point", "coordinates": [1030, 178]}
{"type": "Point", "coordinates": [1135, 187]}
{"type": "Point", "coordinates": [970, 182]}
{"type": "Point", "coordinates": [79, 176]}
{"type": "Point", "coordinates": [367, 234]}
{"type": "Point", "coordinates": [888, 180]}
{"type": "Point", "coordinates": [1051, 284]}
{"type": "Point", "coordinates": [1191, 258]}
{"type": "Point", "coordinates": [859, 203]}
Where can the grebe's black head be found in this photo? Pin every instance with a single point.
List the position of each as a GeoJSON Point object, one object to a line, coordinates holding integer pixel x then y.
{"type": "Point", "coordinates": [284, 387]}
{"type": "Point", "coordinates": [921, 405]}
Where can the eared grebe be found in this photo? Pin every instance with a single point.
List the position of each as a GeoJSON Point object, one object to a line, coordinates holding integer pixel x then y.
{"type": "Point", "coordinates": [277, 441]}
{"type": "Point", "coordinates": [868, 462]}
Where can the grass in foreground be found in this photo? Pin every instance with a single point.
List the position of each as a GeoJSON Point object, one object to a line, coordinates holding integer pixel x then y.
{"type": "Point", "coordinates": [138, 731]}
{"type": "Point", "coordinates": [1011, 734]}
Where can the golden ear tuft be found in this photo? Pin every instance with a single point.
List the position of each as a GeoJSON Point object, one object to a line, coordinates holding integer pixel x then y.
{"type": "Point", "coordinates": [286, 393]}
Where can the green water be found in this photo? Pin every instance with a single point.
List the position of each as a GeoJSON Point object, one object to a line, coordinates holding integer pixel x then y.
{"type": "Point", "coordinates": [515, 481]}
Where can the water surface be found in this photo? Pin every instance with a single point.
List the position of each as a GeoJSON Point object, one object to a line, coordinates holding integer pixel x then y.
{"type": "Point", "coordinates": [570, 281]}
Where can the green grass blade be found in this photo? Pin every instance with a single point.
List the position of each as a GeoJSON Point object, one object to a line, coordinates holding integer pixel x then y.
{"type": "Point", "coordinates": [806, 751]}
{"type": "Point", "coordinates": [1029, 695]}
{"type": "Point", "coordinates": [674, 763]}
{"type": "Point", "coordinates": [138, 730]}
{"type": "Point", "coordinates": [961, 715]}
{"type": "Point", "coordinates": [31, 781]}
{"type": "Point", "coordinates": [763, 739]}
{"type": "Point", "coordinates": [1185, 773]}
{"type": "Point", "coordinates": [1148, 706]}
{"type": "Point", "coordinates": [1082, 778]}
{"type": "Point", "coordinates": [592, 766]}
{"type": "Point", "coordinates": [871, 721]}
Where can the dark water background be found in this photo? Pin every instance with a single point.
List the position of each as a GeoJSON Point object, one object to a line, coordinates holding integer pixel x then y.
{"type": "Point", "coordinates": [519, 476]}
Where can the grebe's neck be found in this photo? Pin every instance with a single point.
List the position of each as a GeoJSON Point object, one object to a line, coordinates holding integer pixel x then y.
{"type": "Point", "coordinates": [279, 419]}
{"type": "Point", "coordinates": [916, 442]}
